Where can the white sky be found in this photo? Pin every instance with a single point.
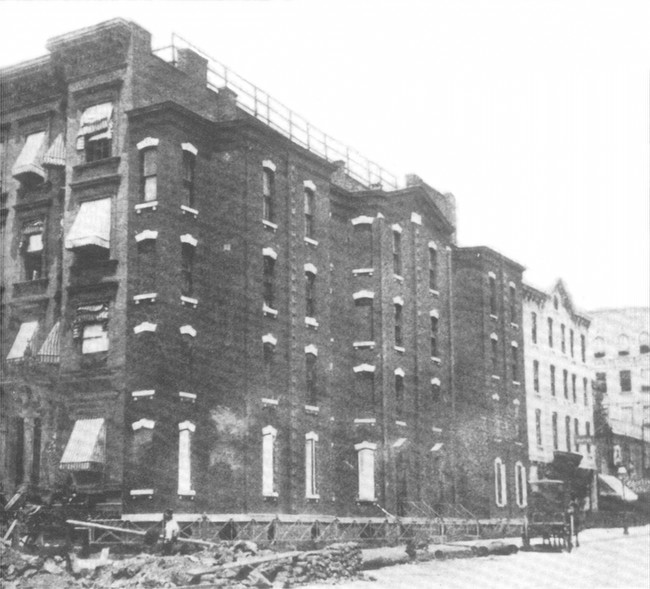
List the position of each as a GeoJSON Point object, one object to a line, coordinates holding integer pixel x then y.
{"type": "Point", "coordinates": [534, 113]}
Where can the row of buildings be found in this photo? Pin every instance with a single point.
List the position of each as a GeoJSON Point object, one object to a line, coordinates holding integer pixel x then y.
{"type": "Point", "coordinates": [209, 305]}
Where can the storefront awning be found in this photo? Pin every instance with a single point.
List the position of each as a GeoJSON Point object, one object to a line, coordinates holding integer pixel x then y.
{"type": "Point", "coordinates": [92, 225]}
{"type": "Point", "coordinates": [611, 486]}
{"type": "Point", "coordinates": [86, 447]}
{"type": "Point", "coordinates": [29, 162]}
{"type": "Point", "coordinates": [23, 340]}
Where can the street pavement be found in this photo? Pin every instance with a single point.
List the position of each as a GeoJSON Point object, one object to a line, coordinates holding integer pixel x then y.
{"type": "Point", "coordinates": [606, 559]}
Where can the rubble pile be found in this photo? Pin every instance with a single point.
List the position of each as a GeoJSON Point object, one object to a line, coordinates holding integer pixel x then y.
{"type": "Point", "coordinates": [229, 566]}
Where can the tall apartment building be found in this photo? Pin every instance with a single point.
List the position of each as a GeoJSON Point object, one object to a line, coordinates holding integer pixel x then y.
{"type": "Point", "coordinates": [620, 346]}
{"type": "Point", "coordinates": [560, 404]}
{"type": "Point", "coordinates": [489, 382]}
{"type": "Point", "coordinates": [204, 309]}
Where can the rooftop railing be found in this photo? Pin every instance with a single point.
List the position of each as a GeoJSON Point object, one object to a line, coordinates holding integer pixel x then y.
{"type": "Point", "coordinates": [282, 119]}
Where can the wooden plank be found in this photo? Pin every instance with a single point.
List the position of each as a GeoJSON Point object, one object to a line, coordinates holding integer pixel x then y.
{"type": "Point", "coordinates": [243, 563]}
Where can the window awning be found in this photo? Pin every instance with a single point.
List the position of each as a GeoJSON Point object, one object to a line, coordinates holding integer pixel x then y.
{"type": "Point", "coordinates": [96, 118]}
{"type": "Point", "coordinates": [23, 340]}
{"type": "Point", "coordinates": [611, 486]}
{"type": "Point", "coordinates": [30, 160]}
{"type": "Point", "coordinates": [86, 448]}
{"type": "Point", "coordinates": [92, 225]}
{"type": "Point", "coordinates": [50, 349]}
{"type": "Point", "coordinates": [55, 155]}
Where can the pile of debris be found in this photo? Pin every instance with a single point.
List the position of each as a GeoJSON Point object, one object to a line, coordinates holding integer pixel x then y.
{"type": "Point", "coordinates": [231, 566]}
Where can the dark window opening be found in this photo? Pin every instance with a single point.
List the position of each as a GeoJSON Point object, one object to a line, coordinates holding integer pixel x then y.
{"type": "Point", "coordinates": [571, 342]}
{"type": "Point", "coordinates": [189, 168]}
{"type": "Point", "coordinates": [565, 383]}
{"type": "Point", "coordinates": [149, 174]}
{"type": "Point", "coordinates": [493, 295]}
{"type": "Point", "coordinates": [268, 195]}
{"type": "Point", "coordinates": [553, 390]}
{"type": "Point", "coordinates": [310, 366]}
{"type": "Point", "coordinates": [550, 332]}
{"type": "Point", "coordinates": [434, 337]}
{"type": "Point", "coordinates": [36, 452]}
{"type": "Point", "coordinates": [310, 295]}
{"type": "Point", "coordinates": [583, 348]}
{"type": "Point", "coordinates": [309, 213]}
{"type": "Point", "coordinates": [538, 426]}
{"type": "Point", "coordinates": [397, 253]}
{"type": "Point", "coordinates": [626, 381]}
{"type": "Point", "coordinates": [567, 431]}
{"type": "Point", "coordinates": [555, 432]}
{"type": "Point", "coordinates": [187, 270]}
{"type": "Point", "coordinates": [513, 304]}
{"type": "Point", "coordinates": [268, 286]}
{"type": "Point", "coordinates": [601, 381]}
{"type": "Point", "coordinates": [97, 148]}
{"type": "Point", "coordinates": [533, 319]}
{"type": "Point", "coordinates": [573, 388]}
{"type": "Point", "coordinates": [514, 358]}
{"type": "Point", "coordinates": [399, 339]}
{"type": "Point", "coordinates": [433, 268]}
{"type": "Point", "coordinates": [536, 375]}
{"type": "Point", "coordinates": [563, 338]}
{"type": "Point", "coordinates": [495, 355]}
{"type": "Point", "coordinates": [399, 394]}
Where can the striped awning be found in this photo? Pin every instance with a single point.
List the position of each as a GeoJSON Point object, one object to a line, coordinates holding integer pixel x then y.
{"type": "Point", "coordinates": [55, 155]}
{"type": "Point", "coordinates": [611, 486]}
{"type": "Point", "coordinates": [86, 448]}
{"type": "Point", "coordinates": [50, 350]}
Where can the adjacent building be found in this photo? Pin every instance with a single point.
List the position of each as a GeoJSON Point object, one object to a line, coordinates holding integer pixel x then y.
{"type": "Point", "coordinates": [620, 352]}
{"type": "Point", "coordinates": [560, 404]}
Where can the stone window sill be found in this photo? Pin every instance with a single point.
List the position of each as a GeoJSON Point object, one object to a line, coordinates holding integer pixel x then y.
{"type": "Point", "coordinates": [311, 322]}
{"type": "Point", "coordinates": [400, 349]}
{"type": "Point", "coordinates": [363, 271]}
{"type": "Point", "coordinates": [189, 301]}
{"type": "Point", "coordinates": [150, 297]}
{"type": "Point", "coordinates": [310, 241]}
{"type": "Point", "coordinates": [189, 211]}
{"type": "Point", "coordinates": [269, 311]}
{"type": "Point", "coordinates": [268, 225]}
{"type": "Point", "coordinates": [153, 205]}
{"type": "Point", "coordinates": [364, 345]}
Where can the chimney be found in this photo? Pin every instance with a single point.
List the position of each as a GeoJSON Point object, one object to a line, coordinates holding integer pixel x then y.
{"type": "Point", "coordinates": [195, 66]}
{"type": "Point", "coordinates": [226, 104]}
{"type": "Point", "coordinates": [413, 180]}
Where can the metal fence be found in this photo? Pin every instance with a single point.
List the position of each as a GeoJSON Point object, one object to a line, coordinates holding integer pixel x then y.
{"type": "Point", "coordinates": [282, 119]}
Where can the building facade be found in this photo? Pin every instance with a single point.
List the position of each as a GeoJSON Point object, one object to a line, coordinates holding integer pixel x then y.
{"type": "Point", "coordinates": [201, 311]}
{"type": "Point", "coordinates": [620, 347]}
{"type": "Point", "coordinates": [559, 375]}
{"type": "Point", "coordinates": [491, 461]}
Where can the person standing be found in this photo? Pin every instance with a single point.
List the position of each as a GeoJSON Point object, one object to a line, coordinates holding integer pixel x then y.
{"type": "Point", "coordinates": [171, 530]}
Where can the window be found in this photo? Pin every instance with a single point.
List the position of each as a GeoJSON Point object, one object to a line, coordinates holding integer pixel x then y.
{"type": "Point", "coordinates": [500, 490]}
{"type": "Point", "coordinates": [563, 338]}
{"type": "Point", "coordinates": [269, 433]}
{"type": "Point", "coordinates": [361, 250]}
{"type": "Point", "coordinates": [310, 294]}
{"type": "Point", "coordinates": [268, 194]}
{"type": "Point", "coordinates": [550, 332]}
{"type": "Point", "coordinates": [185, 434]}
{"type": "Point", "coordinates": [268, 281]}
{"type": "Point", "coordinates": [364, 390]}
{"type": "Point", "coordinates": [309, 212]}
{"type": "Point", "coordinates": [96, 132]}
{"type": "Point", "coordinates": [644, 343]}
{"type": "Point", "coordinates": [91, 228]}
{"type": "Point", "coordinates": [536, 376]}
{"type": "Point", "coordinates": [645, 380]}
{"type": "Point", "coordinates": [555, 432]}
{"type": "Point", "coordinates": [399, 339]}
{"type": "Point", "coordinates": [187, 269]}
{"type": "Point", "coordinates": [433, 268]}
{"type": "Point", "coordinates": [32, 250]}
{"type": "Point", "coordinates": [599, 347]}
{"type": "Point", "coordinates": [365, 330]}
{"type": "Point", "coordinates": [310, 369]}
{"type": "Point", "coordinates": [567, 432]}
{"type": "Point", "coordinates": [493, 295]}
{"type": "Point", "coordinates": [533, 326]}
{"type": "Point", "coordinates": [571, 342]}
{"type": "Point", "coordinates": [623, 345]}
{"type": "Point", "coordinates": [521, 485]}
{"type": "Point", "coordinates": [142, 449]}
{"type": "Point", "coordinates": [4, 142]}
{"type": "Point", "coordinates": [311, 472]}
{"type": "Point", "coordinates": [399, 393]}
{"type": "Point", "coordinates": [573, 388]}
{"type": "Point", "coordinates": [514, 359]}
{"type": "Point", "coordinates": [366, 462]}
{"type": "Point", "coordinates": [553, 390]}
{"type": "Point", "coordinates": [513, 303]}
{"type": "Point", "coordinates": [565, 383]}
{"type": "Point", "coordinates": [576, 434]}
{"type": "Point", "coordinates": [625, 377]}
{"type": "Point", "coordinates": [583, 348]}
{"type": "Point", "coordinates": [538, 427]}
{"type": "Point", "coordinates": [494, 343]}
{"type": "Point", "coordinates": [19, 429]}
{"type": "Point", "coordinates": [149, 174]}
{"type": "Point", "coordinates": [189, 173]}
{"type": "Point", "coordinates": [435, 390]}
{"type": "Point", "coordinates": [585, 391]}
{"type": "Point", "coordinates": [397, 252]}
{"type": "Point", "coordinates": [588, 434]}
{"type": "Point", "coordinates": [601, 381]}
{"type": "Point", "coordinates": [94, 338]}
{"type": "Point", "coordinates": [434, 336]}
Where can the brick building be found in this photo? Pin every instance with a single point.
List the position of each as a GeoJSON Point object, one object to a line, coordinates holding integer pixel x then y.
{"type": "Point", "coordinates": [559, 394]}
{"type": "Point", "coordinates": [490, 403]}
{"type": "Point", "coordinates": [204, 308]}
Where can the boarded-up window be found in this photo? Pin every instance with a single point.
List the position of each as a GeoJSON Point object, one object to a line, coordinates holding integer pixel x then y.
{"type": "Point", "coordinates": [366, 461]}
{"type": "Point", "coordinates": [311, 476]}
{"type": "Point", "coordinates": [500, 489]}
{"type": "Point", "coordinates": [269, 434]}
{"type": "Point", "coordinates": [521, 485]}
{"type": "Point", "coordinates": [185, 433]}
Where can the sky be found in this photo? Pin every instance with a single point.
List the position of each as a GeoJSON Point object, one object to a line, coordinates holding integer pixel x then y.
{"type": "Point", "coordinates": [535, 114]}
